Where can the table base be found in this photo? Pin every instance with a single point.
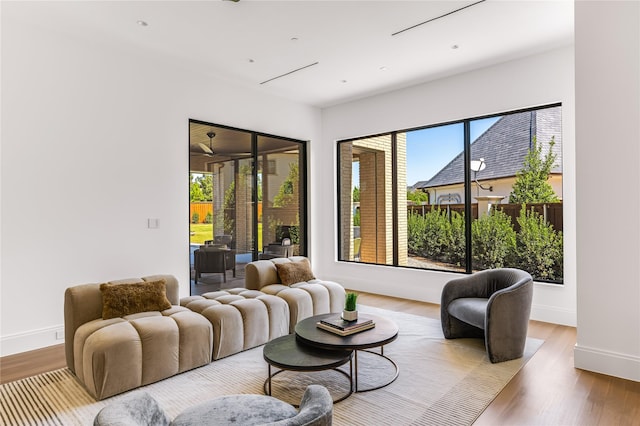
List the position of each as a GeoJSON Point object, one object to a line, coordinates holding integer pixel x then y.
{"type": "Point", "coordinates": [380, 354]}
{"type": "Point", "coordinates": [268, 385]}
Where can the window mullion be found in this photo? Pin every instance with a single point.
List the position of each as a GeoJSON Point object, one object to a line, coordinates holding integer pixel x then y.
{"type": "Point", "coordinates": [467, 195]}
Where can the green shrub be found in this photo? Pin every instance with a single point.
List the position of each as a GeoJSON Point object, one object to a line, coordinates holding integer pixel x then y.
{"type": "Point", "coordinates": [437, 234]}
{"type": "Point", "coordinates": [208, 218]}
{"type": "Point", "coordinates": [195, 217]}
{"type": "Point", "coordinates": [538, 246]}
{"type": "Point", "coordinates": [415, 233]}
{"type": "Point", "coordinates": [493, 240]}
{"type": "Point", "coordinates": [456, 252]}
{"type": "Point", "coordinates": [356, 218]}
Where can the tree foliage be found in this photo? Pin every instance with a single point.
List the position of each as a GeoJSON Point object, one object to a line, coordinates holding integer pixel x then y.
{"type": "Point", "coordinates": [356, 194]}
{"type": "Point", "coordinates": [201, 188]}
{"type": "Point", "coordinates": [287, 193]}
{"type": "Point", "coordinates": [531, 185]}
{"type": "Point", "coordinates": [417, 196]}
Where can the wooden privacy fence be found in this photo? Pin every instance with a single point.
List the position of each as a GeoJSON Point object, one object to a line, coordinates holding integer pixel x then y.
{"type": "Point", "coordinates": [202, 209]}
{"type": "Point", "coordinates": [551, 212]}
{"type": "Point", "coordinates": [205, 207]}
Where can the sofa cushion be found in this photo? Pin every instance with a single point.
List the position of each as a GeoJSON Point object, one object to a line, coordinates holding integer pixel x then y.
{"type": "Point", "coordinates": [294, 272]}
{"type": "Point", "coordinates": [119, 300]}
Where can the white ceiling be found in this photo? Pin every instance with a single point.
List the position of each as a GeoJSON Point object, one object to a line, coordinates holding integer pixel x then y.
{"type": "Point", "coordinates": [252, 41]}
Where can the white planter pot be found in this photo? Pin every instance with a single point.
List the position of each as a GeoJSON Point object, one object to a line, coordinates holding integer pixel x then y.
{"type": "Point", "coordinates": [349, 315]}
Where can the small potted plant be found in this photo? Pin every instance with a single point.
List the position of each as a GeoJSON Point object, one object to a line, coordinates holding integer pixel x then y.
{"type": "Point", "coordinates": [350, 313]}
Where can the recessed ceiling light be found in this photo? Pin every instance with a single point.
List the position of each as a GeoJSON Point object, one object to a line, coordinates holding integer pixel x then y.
{"type": "Point", "coordinates": [455, 46]}
{"type": "Point", "coordinates": [343, 81]}
{"type": "Point", "coordinates": [142, 23]}
{"type": "Point", "coordinates": [294, 39]}
{"type": "Point", "coordinates": [383, 68]}
{"type": "Point", "coordinates": [251, 61]}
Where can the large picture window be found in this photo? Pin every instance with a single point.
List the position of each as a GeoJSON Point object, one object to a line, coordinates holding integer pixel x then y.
{"type": "Point", "coordinates": [464, 196]}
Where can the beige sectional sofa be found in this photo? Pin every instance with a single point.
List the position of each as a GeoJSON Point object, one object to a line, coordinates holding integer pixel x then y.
{"type": "Point", "coordinates": [113, 355]}
{"type": "Point", "coordinates": [117, 340]}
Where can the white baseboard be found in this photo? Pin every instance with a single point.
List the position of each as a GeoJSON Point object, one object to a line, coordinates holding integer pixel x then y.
{"type": "Point", "coordinates": [607, 362]}
{"type": "Point", "coordinates": [31, 340]}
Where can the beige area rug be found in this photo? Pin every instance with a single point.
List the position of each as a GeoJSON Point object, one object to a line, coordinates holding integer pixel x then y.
{"type": "Point", "coordinates": [441, 382]}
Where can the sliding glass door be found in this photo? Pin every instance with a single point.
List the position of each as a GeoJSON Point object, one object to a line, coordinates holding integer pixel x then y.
{"type": "Point", "coordinates": [249, 212]}
{"type": "Point", "coordinates": [281, 214]}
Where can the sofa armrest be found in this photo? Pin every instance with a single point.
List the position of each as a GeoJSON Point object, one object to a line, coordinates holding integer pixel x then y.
{"type": "Point", "coordinates": [260, 273]}
{"type": "Point", "coordinates": [82, 303]}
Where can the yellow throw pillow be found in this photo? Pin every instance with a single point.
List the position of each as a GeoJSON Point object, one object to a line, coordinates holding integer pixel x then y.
{"type": "Point", "coordinates": [119, 300]}
{"type": "Point", "coordinates": [294, 272]}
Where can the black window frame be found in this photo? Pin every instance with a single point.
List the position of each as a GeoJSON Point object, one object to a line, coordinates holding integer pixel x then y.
{"type": "Point", "coordinates": [467, 187]}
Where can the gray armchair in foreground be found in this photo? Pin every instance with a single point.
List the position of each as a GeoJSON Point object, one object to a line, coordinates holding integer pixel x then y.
{"type": "Point", "coordinates": [141, 409]}
{"type": "Point", "coordinates": [494, 304]}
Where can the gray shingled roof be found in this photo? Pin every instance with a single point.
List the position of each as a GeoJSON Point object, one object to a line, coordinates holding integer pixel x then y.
{"type": "Point", "coordinates": [504, 147]}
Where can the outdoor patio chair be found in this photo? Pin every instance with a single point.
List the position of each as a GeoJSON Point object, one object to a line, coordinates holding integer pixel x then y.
{"type": "Point", "coordinates": [214, 259]}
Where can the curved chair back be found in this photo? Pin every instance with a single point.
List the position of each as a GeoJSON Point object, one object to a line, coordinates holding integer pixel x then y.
{"type": "Point", "coordinates": [316, 409]}
{"type": "Point", "coordinates": [136, 409]}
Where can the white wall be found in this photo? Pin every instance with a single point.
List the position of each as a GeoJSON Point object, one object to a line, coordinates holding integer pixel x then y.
{"type": "Point", "coordinates": [537, 80]}
{"type": "Point", "coordinates": [94, 142]}
{"type": "Point", "coordinates": [608, 151]}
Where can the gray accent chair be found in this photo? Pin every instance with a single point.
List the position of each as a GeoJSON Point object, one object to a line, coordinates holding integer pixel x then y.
{"type": "Point", "coordinates": [141, 409]}
{"type": "Point", "coordinates": [493, 304]}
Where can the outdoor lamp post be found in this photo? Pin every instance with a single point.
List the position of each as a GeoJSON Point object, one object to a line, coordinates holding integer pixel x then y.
{"type": "Point", "coordinates": [476, 166]}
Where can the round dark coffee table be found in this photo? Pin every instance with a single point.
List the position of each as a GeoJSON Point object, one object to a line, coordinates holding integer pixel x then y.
{"type": "Point", "coordinates": [288, 353]}
{"type": "Point", "coordinates": [385, 331]}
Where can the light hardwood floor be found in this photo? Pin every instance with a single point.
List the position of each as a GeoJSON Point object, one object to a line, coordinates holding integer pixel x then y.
{"type": "Point", "coordinates": [547, 391]}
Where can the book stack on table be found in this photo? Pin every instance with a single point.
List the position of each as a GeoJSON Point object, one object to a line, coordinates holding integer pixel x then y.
{"type": "Point", "coordinates": [342, 327]}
